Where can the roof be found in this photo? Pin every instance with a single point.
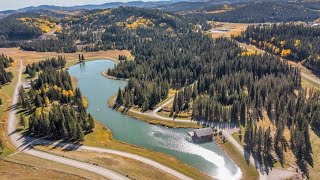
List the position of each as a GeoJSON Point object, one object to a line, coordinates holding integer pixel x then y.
{"type": "Point", "coordinates": [203, 132]}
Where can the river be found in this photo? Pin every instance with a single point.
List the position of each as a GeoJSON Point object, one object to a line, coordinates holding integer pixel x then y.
{"type": "Point", "coordinates": [207, 157]}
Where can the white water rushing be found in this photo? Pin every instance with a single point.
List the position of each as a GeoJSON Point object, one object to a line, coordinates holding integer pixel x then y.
{"type": "Point", "coordinates": [180, 144]}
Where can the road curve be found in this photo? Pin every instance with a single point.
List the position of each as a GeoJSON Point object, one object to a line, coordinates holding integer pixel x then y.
{"type": "Point", "coordinates": [25, 144]}
{"type": "Point", "coordinates": [17, 140]}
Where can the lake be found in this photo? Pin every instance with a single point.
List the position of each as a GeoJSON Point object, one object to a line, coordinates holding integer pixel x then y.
{"type": "Point", "coordinates": [207, 157]}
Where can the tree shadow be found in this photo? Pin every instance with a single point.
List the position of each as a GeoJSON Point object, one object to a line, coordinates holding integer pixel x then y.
{"type": "Point", "coordinates": [280, 156]}
{"type": "Point", "coordinates": [29, 142]}
{"type": "Point", "coordinates": [316, 131]}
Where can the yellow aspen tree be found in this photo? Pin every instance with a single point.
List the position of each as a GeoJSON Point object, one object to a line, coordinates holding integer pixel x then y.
{"type": "Point", "coordinates": [47, 101]}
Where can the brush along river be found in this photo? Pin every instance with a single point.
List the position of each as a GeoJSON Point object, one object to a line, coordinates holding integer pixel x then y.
{"type": "Point", "coordinates": [207, 157]}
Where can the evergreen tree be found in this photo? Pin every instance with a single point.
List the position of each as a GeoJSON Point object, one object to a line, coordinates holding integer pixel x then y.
{"type": "Point", "coordinates": [119, 99]}
{"type": "Point", "coordinates": [243, 113]}
{"type": "Point", "coordinates": [91, 123]}
{"type": "Point", "coordinates": [22, 121]}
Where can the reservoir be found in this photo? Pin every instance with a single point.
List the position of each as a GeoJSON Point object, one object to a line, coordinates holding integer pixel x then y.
{"type": "Point", "coordinates": [207, 157]}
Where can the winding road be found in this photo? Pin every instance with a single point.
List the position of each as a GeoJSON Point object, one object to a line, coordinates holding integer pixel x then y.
{"type": "Point", "coordinates": [25, 144]}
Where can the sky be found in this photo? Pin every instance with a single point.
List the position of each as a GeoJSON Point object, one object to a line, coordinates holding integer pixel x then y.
{"type": "Point", "coordinates": [17, 4]}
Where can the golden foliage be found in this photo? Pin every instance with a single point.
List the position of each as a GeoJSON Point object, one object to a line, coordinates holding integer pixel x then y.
{"type": "Point", "coordinates": [162, 24]}
{"type": "Point", "coordinates": [285, 52]}
{"type": "Point", "coordinates": [276, 50]}
{"type": "Point", "coordinates": [70, 92]}
{"type": "Point", "coordinates": [248, 53]}
{"type": "Point", "coordinates": [297, 43]}
{"type": "Point", "coordinates": [107, 11]}
{"type": "Point", "coordinates": [55, 103]}
{"type": "Point", "coordinates": [38, 112]}
{"type": "Point", "coordinates": [58, 29]}
{"type": "Point", "coordinates": [139, 22]}
{"type": "Point", "coordinates": [84, 102]}
{"type": "Point", "coordinates": [282, 43]}
{"type": "Point", "coordinates": [43, 24]}
{"type": "Point", "coordinates": [65, 93]}
{"type": "Point", "coordinates": [121, 24]}
{"type": "Point", "coordinates": [47, 101]}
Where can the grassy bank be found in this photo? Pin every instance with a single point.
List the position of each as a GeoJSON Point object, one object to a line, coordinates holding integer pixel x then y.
{"type": "Point", "coordinates": [102, 137]}
{"type": "Point", "coordinates": [128, 167]}
{"type": "Point", "coordinates": [248, 170]}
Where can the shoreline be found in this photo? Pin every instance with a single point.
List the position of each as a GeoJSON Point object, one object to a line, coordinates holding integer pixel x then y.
{"type": "Point", "coordinates": [105, 140]}
{"type": "Point", "coordinates": [104, 73]}
{"type": "Point", "coordinates": [146, 118]}
{"type": "Point", "coordinates": [151, 120]}
{"type": "Point", "coordinates": [247, 170]}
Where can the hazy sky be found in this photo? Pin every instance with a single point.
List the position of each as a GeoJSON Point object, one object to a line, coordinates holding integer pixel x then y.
{"type": "Point", "coordinates": [17, 4]}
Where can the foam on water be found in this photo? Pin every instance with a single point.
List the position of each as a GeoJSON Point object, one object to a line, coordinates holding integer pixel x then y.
{"type": "Point", "coordinates": [179, 143]}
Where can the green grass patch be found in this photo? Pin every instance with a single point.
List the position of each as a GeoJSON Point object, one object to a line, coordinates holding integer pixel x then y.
{"type": "Point", "coordinates": [248, 170]}
{"type": "Point", "coordinates": [102, 137]}
{"type": "Point", "coordinates": [235, 135]}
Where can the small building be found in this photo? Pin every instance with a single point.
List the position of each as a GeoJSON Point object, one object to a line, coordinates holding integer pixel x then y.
{"type": "Point", "coordinates": [201, 135]}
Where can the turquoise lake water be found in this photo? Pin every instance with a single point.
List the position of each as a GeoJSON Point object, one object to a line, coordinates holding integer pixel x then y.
{"type": "Point", "coordinates": [207, 157]}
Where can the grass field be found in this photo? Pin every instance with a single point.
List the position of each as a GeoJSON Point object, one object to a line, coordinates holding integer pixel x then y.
{"type": "Point", "coordinates": [23, 166]}
{"type": "Point", "coordinates": [72, 58]}
{"type": "Point", "coordinates": [225, 29]}
{"type": "Point", "coordinates": [130, 168]}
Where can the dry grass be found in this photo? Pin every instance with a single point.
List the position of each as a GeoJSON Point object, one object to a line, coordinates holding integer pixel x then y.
{"type": "Point", "coordinates": [226, 8]}
{"type": "Point", "coordinates": [315, 144]}
{"type": "Point", "coordinates": [72, 58]}
{"type": "Point", "coordinates": [234, 29]}
{"type": "Point", "coordinates": [23, 166]}
{"type": "Point", "coordinates": [250, 47]}
{"type": "Point", "coordinates": [288, 155]}
{"type": "Point", "coordinates": [126, 166]}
